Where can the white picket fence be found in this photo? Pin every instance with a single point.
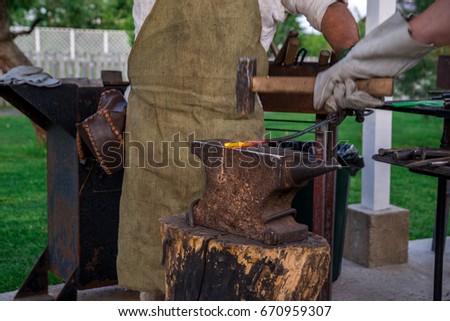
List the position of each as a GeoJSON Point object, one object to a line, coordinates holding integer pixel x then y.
{"type": "Point", "coordinates": [73, 53]}
{"type": "Point", "coordinates": [86, 65]}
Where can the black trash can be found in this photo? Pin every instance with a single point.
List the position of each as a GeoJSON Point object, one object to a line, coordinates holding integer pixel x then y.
{"type": "Point", "coordinates": [349, 158]}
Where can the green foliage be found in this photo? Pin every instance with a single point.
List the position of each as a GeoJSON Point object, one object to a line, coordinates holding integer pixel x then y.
{"type": "Point", "coordinates": [94, 14]}
{"type": "Point", "coordinates": [417, 7]}
{"type": "Point", "coordinates": [314, 43]}
{"type": "Point", "coordinates": [418, 81]}
{"type": "Point", "coordinates": [283, 29]}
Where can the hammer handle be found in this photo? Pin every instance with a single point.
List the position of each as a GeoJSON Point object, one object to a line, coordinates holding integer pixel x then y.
{"type": "Point", "coordinates": [305, 85]}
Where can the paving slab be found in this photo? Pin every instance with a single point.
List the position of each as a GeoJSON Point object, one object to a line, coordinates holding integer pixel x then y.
{"type": "Point", "coordinates": [411, 281]}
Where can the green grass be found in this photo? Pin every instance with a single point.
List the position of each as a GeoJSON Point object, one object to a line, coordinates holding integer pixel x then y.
{"type": "Point", "coordinates": [408, 190]}
{"type": "Point", "coordinates": [23, 192]}
{"type": "Point", "coordinates": [411, 191]}
{"type": "Point", "coordinates": [23, 196]}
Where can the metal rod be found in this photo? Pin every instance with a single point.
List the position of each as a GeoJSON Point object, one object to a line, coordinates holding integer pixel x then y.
{"type": "Point", "coordinates": [291, 121]}
{"type": "Point", "coordinates": [440, 238]}
{"type": "Point", "coordinates": [304, 131]}
{"type": "Point", "coordinates": [283, 130]}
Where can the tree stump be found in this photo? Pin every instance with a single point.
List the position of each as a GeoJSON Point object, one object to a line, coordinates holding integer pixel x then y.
{"type": "Point", "coordinates": [204, 264]}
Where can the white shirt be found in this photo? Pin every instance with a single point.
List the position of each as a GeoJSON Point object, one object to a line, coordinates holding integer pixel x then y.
{"type": "Point", "coordinates": [272, 13]}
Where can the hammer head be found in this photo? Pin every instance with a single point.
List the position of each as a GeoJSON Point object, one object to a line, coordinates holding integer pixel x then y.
{"type": "Point", "coordinates": [245, 97]}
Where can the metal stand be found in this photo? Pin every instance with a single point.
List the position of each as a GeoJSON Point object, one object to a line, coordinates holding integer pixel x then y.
{"type": "Point", "coordinates": [83, 202]}
{"type": "Point", "coordinates": [441, 215]}
{"type": "Point", "coordinates": [443, 175]}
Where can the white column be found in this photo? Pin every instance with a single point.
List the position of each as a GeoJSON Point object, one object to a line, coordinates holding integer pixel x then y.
{"type": "Point", "coordinates": [377, 129]}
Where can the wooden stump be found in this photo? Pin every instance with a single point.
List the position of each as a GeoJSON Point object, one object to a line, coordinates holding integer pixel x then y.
{"type": "Point", "coordinates": [203, 264]}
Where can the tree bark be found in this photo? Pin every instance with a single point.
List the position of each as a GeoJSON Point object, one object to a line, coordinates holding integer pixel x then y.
{"type": "Point", "coordinates": [203, 264]}
{"type": "Point", "coordinates": [11, 56]}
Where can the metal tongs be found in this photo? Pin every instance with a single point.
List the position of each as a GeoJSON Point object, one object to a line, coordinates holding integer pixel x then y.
{"type": "Point", "coordinates": [337, 118]}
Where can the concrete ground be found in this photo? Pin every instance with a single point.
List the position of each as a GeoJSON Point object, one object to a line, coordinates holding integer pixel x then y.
{"type": "Point", "coordinates": [412, 281]}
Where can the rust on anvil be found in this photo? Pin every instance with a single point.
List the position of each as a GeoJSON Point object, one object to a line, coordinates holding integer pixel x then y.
{"type": "Point", "coordinates": [249, 190]}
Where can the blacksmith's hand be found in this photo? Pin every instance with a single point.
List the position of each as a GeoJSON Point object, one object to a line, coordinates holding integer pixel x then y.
{"type": "Point", "coordinates": [385, 52]}
{"type": "Point", "coordinates": [275, 11]}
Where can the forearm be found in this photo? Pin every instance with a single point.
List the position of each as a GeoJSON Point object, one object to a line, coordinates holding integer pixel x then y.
{"type": "Point", "coordinates": [433, 25]}
{"type": "Point", "coordinates": [339, 27]}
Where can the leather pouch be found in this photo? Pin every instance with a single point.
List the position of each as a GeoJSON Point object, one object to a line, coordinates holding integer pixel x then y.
{"type": "Point", "coordinates": [101, 135]}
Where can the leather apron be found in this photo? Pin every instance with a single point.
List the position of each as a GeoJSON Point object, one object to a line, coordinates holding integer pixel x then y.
{"type": "Point", "coordinates": [182, 69]}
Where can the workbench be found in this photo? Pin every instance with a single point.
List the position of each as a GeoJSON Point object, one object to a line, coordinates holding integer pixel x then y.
{"type": "Point", "coordinates": [83, 202]}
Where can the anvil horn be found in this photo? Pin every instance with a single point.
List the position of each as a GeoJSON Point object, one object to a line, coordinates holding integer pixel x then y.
{"type": "Point", "coordinates": [300, 174]}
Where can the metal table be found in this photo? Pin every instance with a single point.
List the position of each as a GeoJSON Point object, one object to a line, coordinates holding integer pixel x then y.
{"type": "Point", "coordinates": [83, 202]}
{"type": "Point", "coordinates": [443, 175]}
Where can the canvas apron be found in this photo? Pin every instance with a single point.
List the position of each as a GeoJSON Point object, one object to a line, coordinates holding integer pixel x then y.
{"type": "Point", "coordinates": [182, 69]}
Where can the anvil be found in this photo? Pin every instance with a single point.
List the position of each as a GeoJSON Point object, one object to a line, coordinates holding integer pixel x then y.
{"type": "Point", "coordinates": [249, 190]}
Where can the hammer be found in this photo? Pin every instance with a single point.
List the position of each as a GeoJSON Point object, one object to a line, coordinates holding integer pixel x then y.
{"type": "Point", "coordinates": [247, 84]}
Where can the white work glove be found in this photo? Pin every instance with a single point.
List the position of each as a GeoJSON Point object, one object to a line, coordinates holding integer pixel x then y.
{"type": "Point", "coordinates": [275, 11]}
{"type": "Point", "coordinates": [385, 52]}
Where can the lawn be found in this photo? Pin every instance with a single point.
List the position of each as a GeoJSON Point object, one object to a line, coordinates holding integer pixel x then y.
{"type": "Point", "coordinates": [411, 191]}
{"type": "Point", "coordinates": [23, 224]}
{"type": "Point", "coordinates": [23, 208]}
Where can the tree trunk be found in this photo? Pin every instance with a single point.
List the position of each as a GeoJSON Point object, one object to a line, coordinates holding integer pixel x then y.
{"type": "Point", "coordinates": [11, 56]}
{"type": "Point", "coordinates": [203, 264]}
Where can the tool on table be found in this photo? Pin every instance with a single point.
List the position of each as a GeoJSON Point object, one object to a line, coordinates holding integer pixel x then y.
{"type": "Point", "coordinates": [247, 85]}
{"type": "Point", "coordinates": [437, 163]}
{"type": "Point", "coordinates": [389, 151]}
{"type": "Point", "coordinates": [418, 156]}
{"type": "Point", "coordinates": [432, 162]}
{"type": "Point", "coordinates": [288, 52]}
{"type": "Point", "coordinates": [274, 48]}
{"type": "Point", "coordinates": [439, 94]}
{"type": "Point", "coordinates": [324, 59]}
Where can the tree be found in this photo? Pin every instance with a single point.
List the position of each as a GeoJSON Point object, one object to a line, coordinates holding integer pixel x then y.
{"type": "Point", "coordinates": [10, 54]}
{"type": "Point", "coordinates": [89, 14]}
{"type": "Point", "coordinates": [94, 14]}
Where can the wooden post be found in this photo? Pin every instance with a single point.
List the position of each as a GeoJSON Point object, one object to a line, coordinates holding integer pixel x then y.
{"type": "Point", "coordinates": [204, 264]}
